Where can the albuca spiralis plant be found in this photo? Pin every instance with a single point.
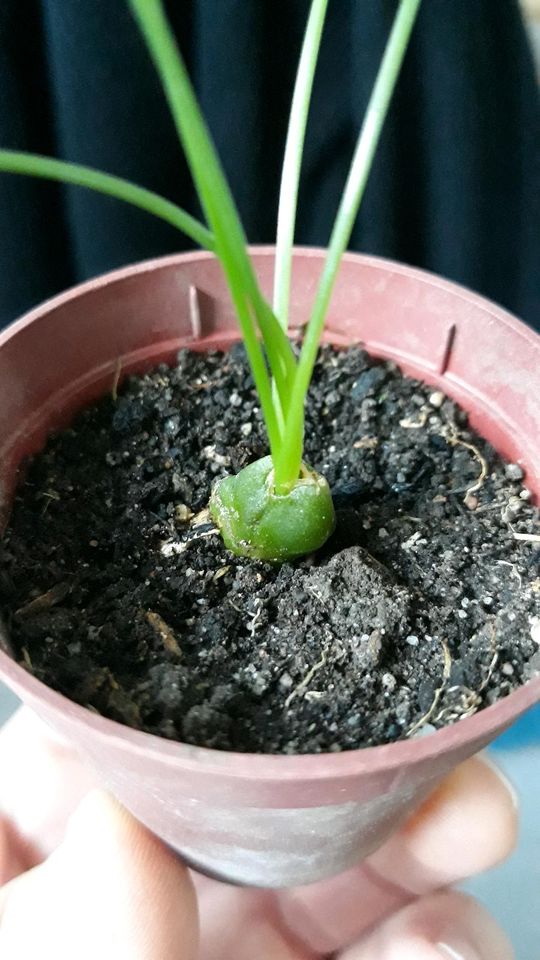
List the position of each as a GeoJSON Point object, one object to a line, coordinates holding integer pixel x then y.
{"type": "Point", "coordinates": [277, 508]}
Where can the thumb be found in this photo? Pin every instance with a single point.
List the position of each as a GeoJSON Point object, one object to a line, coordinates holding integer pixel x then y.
{"type": "Point", "coordinates": [111, 889]}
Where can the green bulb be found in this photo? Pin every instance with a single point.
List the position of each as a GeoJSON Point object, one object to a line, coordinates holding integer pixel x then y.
{"type": "Point", "coordinates": [255, 521]}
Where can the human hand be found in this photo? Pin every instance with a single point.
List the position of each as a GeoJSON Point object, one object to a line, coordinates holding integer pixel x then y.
{"type": "Point", "coordinates": [103, 886]}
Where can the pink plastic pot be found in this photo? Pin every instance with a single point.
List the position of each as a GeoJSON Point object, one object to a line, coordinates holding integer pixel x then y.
{"type": "Point", "coordinates": [265, 820]}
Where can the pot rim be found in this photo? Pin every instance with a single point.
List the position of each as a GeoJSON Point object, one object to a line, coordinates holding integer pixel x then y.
{"type": "Point", "coordinates": [268, 250]}
{"type": "Point", "coordinates": [309, 766]}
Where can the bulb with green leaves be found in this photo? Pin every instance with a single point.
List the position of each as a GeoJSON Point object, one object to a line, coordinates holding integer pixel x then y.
{"type": "Point", "coordinates": [258, 520]}
{"type": "Point", "coordinates": [278, 508]}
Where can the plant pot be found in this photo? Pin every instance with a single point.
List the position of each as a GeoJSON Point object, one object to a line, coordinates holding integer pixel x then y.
{"type": "Point", "coordinates": [265, 820]}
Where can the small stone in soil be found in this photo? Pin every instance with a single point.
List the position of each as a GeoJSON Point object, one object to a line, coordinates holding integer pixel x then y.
{"type": "Point", "coordinates": [514, 472]}
{"type": "Point", "coordinates": [436, 399]}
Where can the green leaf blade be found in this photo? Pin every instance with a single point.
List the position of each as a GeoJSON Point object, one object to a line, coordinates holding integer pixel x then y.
{"type": "Point", "coordinates": [48, 168]}
{"type": "Point", "coordinates": [292, 161]}
{"type": "Point", "coordinates": [288, 463]}
{"type": "Point", "coordinates": [220, 211]}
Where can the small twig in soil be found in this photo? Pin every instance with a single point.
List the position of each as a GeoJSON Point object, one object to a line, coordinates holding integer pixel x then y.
{"type": "Point", "coordinates": [409, 424]}
{"type": "Point", "coordinates": [48, 496]}
{"type": "Point", "coordinates": [306, 681]}
{"type": "Point", "coordinates": [203, 516]}
{"type": "Point", "coordinates": [447, 664]}
{"type": "Point", "coordinates": [489, 674]}
{"type": "Point", "coordinates": [488, 507]}
{"type": "Point", "coordinates": [471, 702]}
{"type": "Point", "coordinates": [255, 617]}
{"type": "Point", "coordinates": [27, 660]}
{"type": "Point", "coordinates": [202, 384]}
{"type": "Point", "coordinates": [44, 602]}
{"type": "Point", "coordinates": [427, 716]}
{"type": "Point", "coordinates": [456, 441]}
{"type": "Point", "coordinates": [525, 537]}
{"type": "Point", "coordinates": [366, 443]}
{"type": "Point", "coordinates": [116, 379]}
{"type": "Point", "coordinates": [236, 607]}
{"type": "Point", "coordinates": [471, 698]}
{"type": "Point", "coordinates": [96, 680]}
{"type": "Point", "coordinates": [109, 676]}
{"type": "Point", "coordinates": [495, 657]}
{"type": "Point", "coordinates": [164, 632]}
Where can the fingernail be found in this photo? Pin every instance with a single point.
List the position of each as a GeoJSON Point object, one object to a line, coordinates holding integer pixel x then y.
{"type": "Point", "coordinates": [457, 952]}
{"type": "Point", "coordinates": [494, 767]}
{"type": "Point", "coordinates": [477, 938]}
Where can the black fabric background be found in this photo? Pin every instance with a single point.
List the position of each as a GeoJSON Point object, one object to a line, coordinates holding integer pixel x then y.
{"type": "Point", "coordinates": [456, 184]}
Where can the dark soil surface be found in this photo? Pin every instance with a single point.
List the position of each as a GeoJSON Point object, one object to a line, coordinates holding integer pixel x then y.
{"type": "Point", "coordinates": [423, 608]}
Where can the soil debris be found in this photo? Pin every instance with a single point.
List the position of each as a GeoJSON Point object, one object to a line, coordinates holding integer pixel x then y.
{"type": "Point", "coordinates": [421, 609]}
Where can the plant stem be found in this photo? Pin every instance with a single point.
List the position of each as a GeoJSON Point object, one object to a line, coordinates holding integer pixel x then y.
{"type": "Point", "coordinates": [14, 161]}
{"type": "Point", "coordinates": [220, 211]}
{"type": "Point", "coordinates": [287, 465]}
{"type": "Point", "coordinates": [292, 161]}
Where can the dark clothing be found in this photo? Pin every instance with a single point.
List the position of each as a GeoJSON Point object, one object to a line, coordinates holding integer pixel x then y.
{"type": "Point", "coordinates": [455, 186]}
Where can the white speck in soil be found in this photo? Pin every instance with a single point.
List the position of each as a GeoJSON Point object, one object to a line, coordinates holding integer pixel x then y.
{"type": "Point", "coordinates": [436, 399]}
{"type": "Point", "coordinates": [514, 472]}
